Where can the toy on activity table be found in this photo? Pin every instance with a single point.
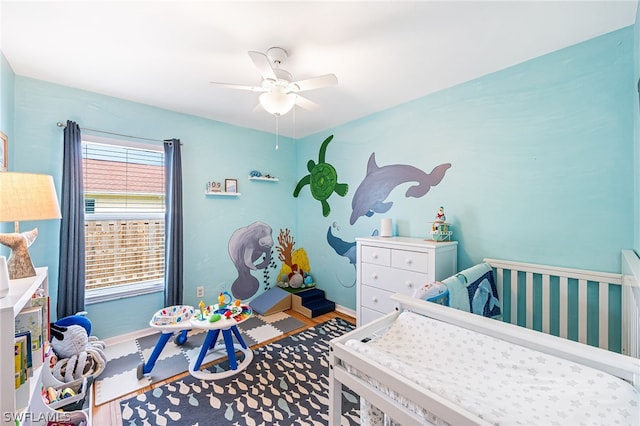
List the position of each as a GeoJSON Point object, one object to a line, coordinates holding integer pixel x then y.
{"type": "Point", "coordinates": [173, 319]}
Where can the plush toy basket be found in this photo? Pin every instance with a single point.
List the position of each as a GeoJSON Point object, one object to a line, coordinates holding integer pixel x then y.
{"type": "Point", "coordinates": [79, 386]}
{"type": "Point", "coordinates": [75, 402]}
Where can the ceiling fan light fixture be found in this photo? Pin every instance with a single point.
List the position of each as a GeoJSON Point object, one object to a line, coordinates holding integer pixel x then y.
{"type": "Point", "coordinates": [277, 103]}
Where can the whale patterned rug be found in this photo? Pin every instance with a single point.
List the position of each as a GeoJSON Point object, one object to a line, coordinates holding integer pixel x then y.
{"type": "Point", "coordinates": [120, 375]}
{"type": "Point", "coordinates": [286, 383]}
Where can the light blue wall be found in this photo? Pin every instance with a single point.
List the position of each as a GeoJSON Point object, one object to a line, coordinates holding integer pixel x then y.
{"type": "Point", "coordinates": [211, 151]}
{"type": "Point", "coordinates": [542, 165]}
{"type": "Point", "coordinates": [636, 133]}
{"type": "Point", "coordinates": [542, 154]}
{"type": "Point", "coordinates": [7, 97]}
{"type": "Point", "coordinates": [7, 77]}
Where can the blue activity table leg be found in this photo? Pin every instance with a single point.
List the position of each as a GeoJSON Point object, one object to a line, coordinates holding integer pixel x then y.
{"type": "Point", "coordinates": [162, 341]}
{"type": "Point", "coordinates": [231, 350]}
{"type": "Point", "coordinates": [236, 333]}
{"type": "Point", "coordinates": [212, 336]}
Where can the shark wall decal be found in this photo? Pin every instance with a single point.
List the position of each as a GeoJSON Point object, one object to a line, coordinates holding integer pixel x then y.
{"type": "Point", "coordinates": [380, 181]}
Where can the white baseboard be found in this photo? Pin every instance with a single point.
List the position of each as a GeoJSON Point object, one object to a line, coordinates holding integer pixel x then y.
{"type": "Point", "coordinates": [114, 340]}
{"type": "Point", "coordinates": [346, 311]}
{"type": "Point", "coordinates": [147, 331]}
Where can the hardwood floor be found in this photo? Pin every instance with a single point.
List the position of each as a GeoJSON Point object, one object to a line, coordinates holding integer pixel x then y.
{"type": "Point", "coordinates": [109, 413]}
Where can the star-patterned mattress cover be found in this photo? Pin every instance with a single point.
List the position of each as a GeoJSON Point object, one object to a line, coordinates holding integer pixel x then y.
{"type": "Point", "coordinates": [499, 382]}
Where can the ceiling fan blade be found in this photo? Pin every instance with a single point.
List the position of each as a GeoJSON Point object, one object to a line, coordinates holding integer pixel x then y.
{"type": "Point", "coordinates": [263, 64]}
{"type": "Point", "coordinates": [238, 86]}
{"type": "Point", "coordinates": [306, 103]}
{"type": "Point", "coordinates": [313, 83]}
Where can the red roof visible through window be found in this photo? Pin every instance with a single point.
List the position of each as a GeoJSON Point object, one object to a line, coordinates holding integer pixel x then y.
{"type": "Point", "coordinates": [112, 176]}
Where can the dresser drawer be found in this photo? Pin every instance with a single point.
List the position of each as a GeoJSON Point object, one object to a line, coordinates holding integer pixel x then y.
{"type": "Point", "coordinates": [392, 280]}
{"type": "Point", "coordinates": [376, 299]}
{"type": "Point", "coordinates": [367, 315]}
{"type": "Point", "coordinates": [410, 260]}
{"type": "Point", "coordinates": [376, 255]}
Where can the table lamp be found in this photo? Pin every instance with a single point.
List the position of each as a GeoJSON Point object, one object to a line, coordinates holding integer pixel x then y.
{"type": "Point", "coordinates": [25, 196]}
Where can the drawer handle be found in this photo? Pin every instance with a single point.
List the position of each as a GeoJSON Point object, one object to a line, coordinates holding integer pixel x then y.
{"type": "Point", "coordinates": [374, 255]}
{"type": "Point", "coordinates": [408, 261]}
{"type": "Point", "coordinates": [374, 276]}
{"type": "Point", "coordinates": [374, 299]}
{"type": "Point", "coordinates": [409, 284]}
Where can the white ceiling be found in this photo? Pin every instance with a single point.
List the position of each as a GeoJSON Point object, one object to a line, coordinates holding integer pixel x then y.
{"type": "Point", "coordinates": [165, 53]}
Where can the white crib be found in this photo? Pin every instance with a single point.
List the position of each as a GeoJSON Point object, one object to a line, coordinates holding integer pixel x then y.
{"type": "Point", "coordinates": [565, 293]}
{"type": "Point", "coordinates": [580, 305]}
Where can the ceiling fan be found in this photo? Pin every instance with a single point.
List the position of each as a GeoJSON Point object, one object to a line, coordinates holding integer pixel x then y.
{"type": "Point", "coordinates": [279, 92]}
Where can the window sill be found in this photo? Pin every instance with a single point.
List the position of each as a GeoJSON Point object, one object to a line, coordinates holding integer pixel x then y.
{"type": "Point", "coordinates": [107, 294]}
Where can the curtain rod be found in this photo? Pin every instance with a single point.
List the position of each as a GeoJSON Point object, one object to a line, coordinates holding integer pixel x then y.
{"type": "Point", "coordinates": [59, 124]}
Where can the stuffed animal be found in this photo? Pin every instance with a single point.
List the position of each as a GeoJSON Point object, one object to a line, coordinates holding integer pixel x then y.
{"type": "Point", "coordinates": [296, 277]}
{"type": "Point", "coordinates": [79, 355]}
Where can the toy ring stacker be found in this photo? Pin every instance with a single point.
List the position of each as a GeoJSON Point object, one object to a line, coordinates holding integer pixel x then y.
{"type": "Point", "coordinates": [168, 320]}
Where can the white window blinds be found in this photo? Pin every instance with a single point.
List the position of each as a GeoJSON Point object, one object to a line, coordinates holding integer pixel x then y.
{"type": "Point", "coordinates": [124, 214]}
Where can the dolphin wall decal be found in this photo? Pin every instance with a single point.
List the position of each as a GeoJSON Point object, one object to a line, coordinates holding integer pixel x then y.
{"type": "Point", "coordinates": [380, 181]}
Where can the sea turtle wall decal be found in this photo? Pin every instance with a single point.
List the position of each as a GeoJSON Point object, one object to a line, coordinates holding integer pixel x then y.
{"type": "Point", "coordinates": [322, 179]}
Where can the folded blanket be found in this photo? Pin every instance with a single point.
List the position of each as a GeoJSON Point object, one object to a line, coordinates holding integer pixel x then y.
{"type": "Point", "coordinates": [458, 295]}
{"type": "Point", "coordinates": [474, 290]}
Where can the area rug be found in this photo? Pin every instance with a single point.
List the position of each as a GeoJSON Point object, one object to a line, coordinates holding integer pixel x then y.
{"type": "Point", "coordinates": [120, 375]}
{"type": "Point", "coordinates": [286, 383]}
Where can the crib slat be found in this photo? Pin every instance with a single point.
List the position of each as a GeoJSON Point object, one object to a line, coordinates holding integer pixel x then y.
{"type": "Point", "coordinates": [514, 297]}
{"type": "Point", "coordinates": [603, 315]}
{"type": "Point", "coordinates": [582, 311]}
{"type": "Point", "coordinates": [564, 301]}
{"type": "Point", "coordinates": [499, 286]}
{"type": "Point", "coordinates": [529, 299]}
{"type": "Point", "coordinates": [546, 303]}
{"type": "Point", "coordinates": [589, 321]}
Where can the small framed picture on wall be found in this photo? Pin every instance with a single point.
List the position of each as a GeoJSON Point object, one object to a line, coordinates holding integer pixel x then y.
{"type": "Point", "coordinates": [231, 185]}
{"type": "Point", "coordinates": [4, 152]}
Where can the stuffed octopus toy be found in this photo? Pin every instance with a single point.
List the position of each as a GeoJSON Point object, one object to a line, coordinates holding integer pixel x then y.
{"type": "Point", "coordinates": [78, 354]}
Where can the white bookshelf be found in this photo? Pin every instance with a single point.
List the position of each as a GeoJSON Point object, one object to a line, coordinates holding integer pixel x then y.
{"type": "Point", "coordinates": [20, 292]}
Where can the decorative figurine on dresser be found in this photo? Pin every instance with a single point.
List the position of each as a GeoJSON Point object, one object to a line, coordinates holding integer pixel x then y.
{"type": "Point", "coordinates": [440, 228]}
{"type": "Point", "coordinates": [398, 265]}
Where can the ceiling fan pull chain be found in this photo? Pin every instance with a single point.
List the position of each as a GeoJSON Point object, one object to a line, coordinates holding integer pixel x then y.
{"type": "Point", "coordinates": [277, 116]}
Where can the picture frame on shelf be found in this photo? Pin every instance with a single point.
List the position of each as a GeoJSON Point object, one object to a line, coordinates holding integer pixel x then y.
{"type": "Point", "coordinates": [231, 185]}
{"type": "Point", "coordinates": [4, 152]}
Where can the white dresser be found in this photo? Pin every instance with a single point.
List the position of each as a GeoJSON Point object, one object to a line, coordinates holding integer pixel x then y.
{"type": "Point", "coordinates": [388, 265]}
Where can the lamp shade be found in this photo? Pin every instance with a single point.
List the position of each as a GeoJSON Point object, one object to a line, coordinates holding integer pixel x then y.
{"type": "Point", "coordinates": [277, 102]}
{"type": "Point", "coordinates": [27, 196]}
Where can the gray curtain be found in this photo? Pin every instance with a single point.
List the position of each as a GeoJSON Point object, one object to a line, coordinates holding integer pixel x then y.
{"type": "Point", "coordinates": [71, 276]}
{"type": "Point", "coordinates": [173, 269]}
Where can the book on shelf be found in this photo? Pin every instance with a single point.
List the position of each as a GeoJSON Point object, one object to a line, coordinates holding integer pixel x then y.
{"type": "Point", "coordinates": [21, 350]}
{"type": "Point", "coordinates": [29, 352]}
{"type": "Point", "coordinates": [20, 359]}
{"type": "Point", "coordinates": [40, 299]}
{"type": "Point", "coordinates": [31, 319]}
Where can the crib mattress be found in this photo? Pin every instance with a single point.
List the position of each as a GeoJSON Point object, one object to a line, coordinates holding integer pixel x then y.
{"type": "Point", "coordinates": [499, 382]}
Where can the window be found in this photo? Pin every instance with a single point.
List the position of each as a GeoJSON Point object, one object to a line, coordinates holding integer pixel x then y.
{"type": "Point", "coordinates": [124, 218]}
